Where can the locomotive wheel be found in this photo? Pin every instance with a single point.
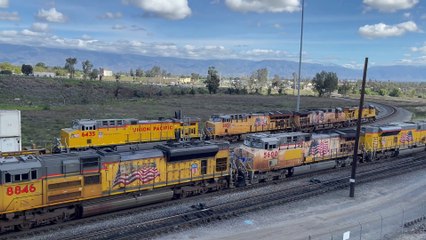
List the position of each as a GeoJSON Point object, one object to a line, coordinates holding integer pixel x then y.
{"type": "Point", "coordinates": [290, 172]}
{"type": "Point", "coordinates": [58, 219]}
{"type": "Point", "coordinates": [24, 226]}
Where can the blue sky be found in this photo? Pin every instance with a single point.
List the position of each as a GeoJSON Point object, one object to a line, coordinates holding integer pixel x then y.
{"type": "Point", "coordinates": [341, 32]}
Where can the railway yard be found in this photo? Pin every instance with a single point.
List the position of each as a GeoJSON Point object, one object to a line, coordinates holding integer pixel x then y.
{"type": "Point", "coordinates": [220, 119]}
{"type": "Point", "coordinates": [313, 204]}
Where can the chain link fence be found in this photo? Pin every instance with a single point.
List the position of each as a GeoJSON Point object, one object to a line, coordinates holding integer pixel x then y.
{"type": "Point", "coordinates": [377, 226]}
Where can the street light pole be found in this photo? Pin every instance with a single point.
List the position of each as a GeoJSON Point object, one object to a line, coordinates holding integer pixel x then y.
{"type": "Point", "coordinates": [358, 130]}
{"type": "Point", "coordinates": [300, 58]}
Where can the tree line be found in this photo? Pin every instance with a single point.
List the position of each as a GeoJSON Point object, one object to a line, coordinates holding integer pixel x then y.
{"type": "Point", "coordinates": [258, 82]}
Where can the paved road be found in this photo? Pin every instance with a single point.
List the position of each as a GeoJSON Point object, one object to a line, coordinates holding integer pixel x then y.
{"type": "Point", "coordinates": [329, 215]}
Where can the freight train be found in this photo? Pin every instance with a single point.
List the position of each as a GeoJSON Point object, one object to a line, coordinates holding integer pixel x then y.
{"type": "Point", "coordinates": [234, 126]}
{"type": "Point", "coordinates": [88, 133]}
{"type": "Point", "coordinates": [37, 190]}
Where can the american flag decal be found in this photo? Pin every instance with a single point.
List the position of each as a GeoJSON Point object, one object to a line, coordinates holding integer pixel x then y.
{"type": "Point", "coordinates": [144, 174]}
{"type": "Point", "coordinates": [407, 137]}
{"type": "Point", "coordinates": [319, 147]}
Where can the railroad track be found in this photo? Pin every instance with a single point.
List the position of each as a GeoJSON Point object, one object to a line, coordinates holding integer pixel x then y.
{"type": "Point", "coordinates": [45, 230]}
{"type": "Point", "coordinates": [202, 214]}
{"type": "Point", "coordinates": [386, 111]}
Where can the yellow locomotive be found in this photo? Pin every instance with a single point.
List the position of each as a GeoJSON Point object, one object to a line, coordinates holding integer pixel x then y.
{"type": "Point", "coordinates": [264, 157]}
{"type": "Point", "coordinates": [88, 133]}
{"type": "Point", "coordinates": [388, 139]}
{"type": "Point", "coordinates": [53, 188]}
{"type": "Point", "coordinates": [233, 126]}
{"type": "Point", "coordinates": [98, 133]}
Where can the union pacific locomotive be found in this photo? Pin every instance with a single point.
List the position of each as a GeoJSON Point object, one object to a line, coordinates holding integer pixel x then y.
{"type": "Point", "coordinates": [58, 187]}
{"type": "Point", "coordinates": [233, 126]}
{"type": "Point", "coordinates": [268, 156]}
{"type": "Point", "coordinates": [87, 133]}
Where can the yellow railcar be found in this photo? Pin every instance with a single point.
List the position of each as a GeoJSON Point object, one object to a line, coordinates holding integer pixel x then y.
{"type": "Point", "coordinates": [233, 126]}
{"type": "Point", "coordinates": [52, 188]}
{"type": "Point", "coordinates": [390, 138]}
{"type": "Point", "coordinates": [112, 132]}
{"type": "Point", "coordinates": [368, 113]}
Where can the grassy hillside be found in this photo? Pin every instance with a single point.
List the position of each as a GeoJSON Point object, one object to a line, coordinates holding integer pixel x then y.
{"type": "Point", "coordinates": [48, 105]}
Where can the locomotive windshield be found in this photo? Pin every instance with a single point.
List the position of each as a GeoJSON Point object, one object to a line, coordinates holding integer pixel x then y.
{"type": "Point", "coordinates": [215, 118]}
{"type": "Point", "coordinates": [254, 143]}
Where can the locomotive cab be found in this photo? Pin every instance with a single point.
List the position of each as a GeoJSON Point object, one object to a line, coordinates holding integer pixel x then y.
{"type": "Point", "coordinates": [19, 183]}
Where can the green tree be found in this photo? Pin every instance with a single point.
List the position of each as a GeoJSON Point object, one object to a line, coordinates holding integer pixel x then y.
{"type": "Point", "coordinates": [87, 68]}
{"type": "Point", "coordinates": [94, 74]}
{"type": "Point", "coordinates": [132, 74]}
{"type": "Point", "coordinates": [117, 76]}
{"type": "Point", "coordinates": [396, 92]}
{"type": "Point", "coordinates": [195, 77]}
{"type": "Point", "coordinates": [59, 71]}
{"type": "Point", "coordinates": [27, 69]}
{"type": "Point", "coordinates": [276, 81]}
{"type": "Point", "coordinates": [41, 65]}
{"type": "Point", "coordinates": [262, 76]}
{"type": "Point", "coordinates": [139, 72]}
{"type": "Point", "coordinates": [383, 92]}
{"type": "Point", "coordinates": [117, 84]}
{"type": "Point", "coordinates": [154, 72]}
{"type": "Point", "coordinates": [69, 66]}
{"type": "Point", "coordinates": [344, 88]}
{"type": "Point", "coordinates": [212, 81]}
{"type": "Point", "coordinates": [325, 82]}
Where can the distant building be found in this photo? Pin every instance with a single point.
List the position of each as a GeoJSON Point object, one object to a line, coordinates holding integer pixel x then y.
{"type": "Point", "coordinates": [105, 72]}
{"type": "Point", "coordinates": [44, 74]}
{"type": "Point", "coordinates": [185, 80]}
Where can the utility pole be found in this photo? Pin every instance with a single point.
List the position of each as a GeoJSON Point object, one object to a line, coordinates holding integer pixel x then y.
{"type": "Point", "coordinates": [358, 130]}
{"type": "Point", "coordinates": [300, 58]}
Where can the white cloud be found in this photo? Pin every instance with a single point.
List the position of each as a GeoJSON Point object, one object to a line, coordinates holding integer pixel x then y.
{"type": "Point", "coordinates": [27, 32]}
{"type": "Point", "coordinates": [4, 3]}
{"type": "Point", "coordinates": [265, 54]}
{"type": "Point", "coordinates": [8, 33]}
{"type": "Point", "coordinates": [40, 27]}
{"type": "Point", "coordinates": [51, 15]}
{"type": "Point", "coordinates": [421, 49]}
{"type": "Point", "coordinates": [111, 15]}
{"type": "Point", "coordinates": [261, 6]}
{"type": "Point", "coordinates": [353, 65]}
{"type": "Point", "coordinates": [9, 16]}
{"type": "Point", "coordinates": [277, 25]}
{"type": "Point", "coordinates": [86, 37]}
{"type": "Point", "coordinates": [382, 30]}
{"type": "Point", "coordinates": [390, 5]}
{"type": "Point", "coordinates": [170, 9]}
{"type": "Point", "coordinates": [118, 27]}
{"type": "Point", "coordinates": [407, 15]}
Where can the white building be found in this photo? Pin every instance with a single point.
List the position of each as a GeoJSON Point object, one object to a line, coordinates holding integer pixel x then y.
{"type": "Point", "coordinates": [105, 72]}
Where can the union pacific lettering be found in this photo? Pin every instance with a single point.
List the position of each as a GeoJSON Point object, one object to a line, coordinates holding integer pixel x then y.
{"type": "Point", "coordinates": [152, 128]}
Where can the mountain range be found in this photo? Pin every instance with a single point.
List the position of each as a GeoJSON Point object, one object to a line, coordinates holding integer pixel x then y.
{"type": "Point", "coordinates": [20, 54]}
